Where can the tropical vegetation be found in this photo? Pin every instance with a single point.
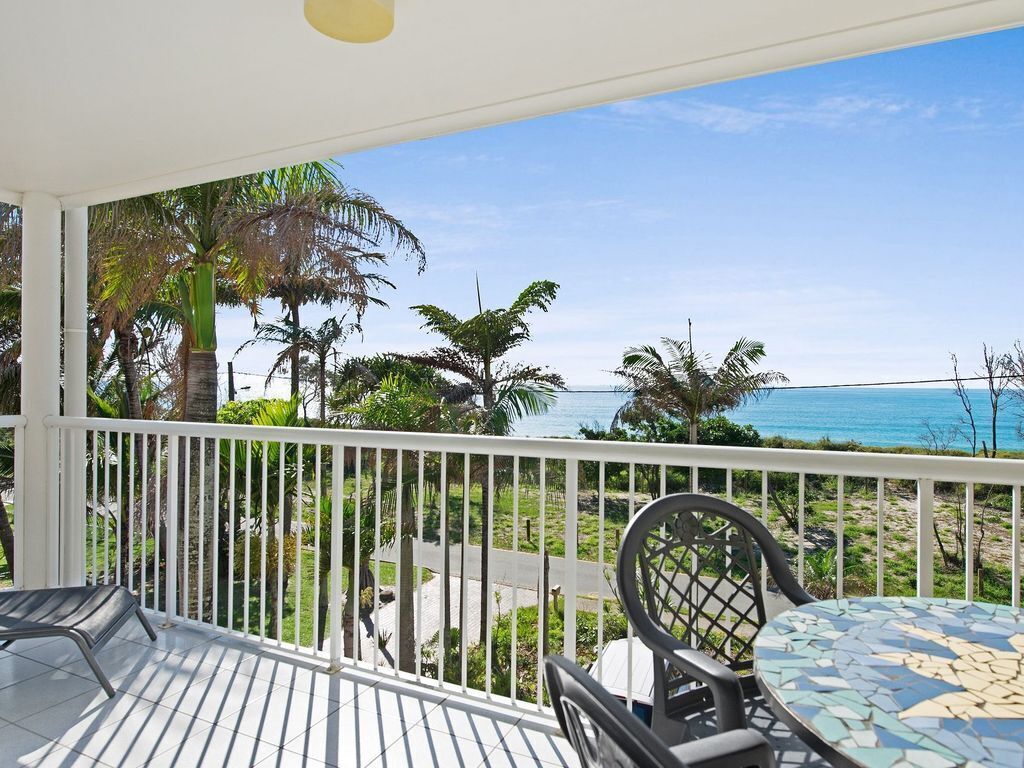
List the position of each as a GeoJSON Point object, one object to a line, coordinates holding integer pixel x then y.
{"type": "Point", "coordinates": [680, 382]}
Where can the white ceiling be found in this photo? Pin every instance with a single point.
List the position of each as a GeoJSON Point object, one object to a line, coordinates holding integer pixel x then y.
{"type": "Point", "coordinates": [109, 98]}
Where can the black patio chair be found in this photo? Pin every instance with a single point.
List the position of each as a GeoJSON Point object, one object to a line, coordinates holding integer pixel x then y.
{"type": "Point", "coordinates": [607, 735]}
{"type": "Point", "coordinates": [88, 615]}
{"type": "Point", "coordinates": [689, 577]}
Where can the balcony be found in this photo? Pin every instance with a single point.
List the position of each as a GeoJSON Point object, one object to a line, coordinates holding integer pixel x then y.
{"type": "Point", "coordinates": [189, 518]}
{"type": "Point", "coordinates": [252, 547]}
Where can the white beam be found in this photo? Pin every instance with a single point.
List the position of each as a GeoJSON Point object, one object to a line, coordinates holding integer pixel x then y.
{"type": "Point", "coordinates": [72, 519]}
{"type": "Point", "coordinates": [40, 393]}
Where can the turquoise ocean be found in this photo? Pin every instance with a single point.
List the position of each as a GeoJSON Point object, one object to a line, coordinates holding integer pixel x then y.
{"type": "Point", "coordinates": [878, 416]}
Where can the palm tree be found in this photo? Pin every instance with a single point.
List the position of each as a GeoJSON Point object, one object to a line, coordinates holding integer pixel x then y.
{"type": "Point", "coordinates": [322, 343]}
{"type": "Point", "coordinates": [508, 391]}
{"type": "Point", "coordinates": [323, 243]}
{"type": "Point", "coordinates": [685, 384]}
{"type": "Point", "coordinates": [226, 234]}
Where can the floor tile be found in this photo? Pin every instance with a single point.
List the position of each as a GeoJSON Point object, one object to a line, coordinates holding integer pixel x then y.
{"type": "Point", "coordinates": [63, 652]}
{"type": "Point", "coordinates": [140, 737]}
{"type": "Point", "coordinates": [469, 720]}
{"type": "Point", "coordinates": [424, 747]}
{"type": "Point", "coordinates": [158, 681]}
{"type": "Point", "coordinates": [23, 646]}
{"type": "Point", "coordinates": [118, 659]}
{"type": "Point", "coordinates": [215, 747]}
{"type": "Point", "coordinates": [284, 758]}
{"type": "Point", "coordinates": [220, 653]}
{"type": "Point", "coordinates": [14, 669]}
{"type": "Point", "coordinates": [348, 737]}
{"type": "Point", "coordinates": [180, 638]}
{"type": "Point", "coordinates": [398, 701]}
{"type": "Point", "coordinates": [501, 758]}
{"type": "Point", "coordinates": [281, 716]}
{"type": "Point", "coordinates": [539, 744]}
{"type": "Point", "coordinates": [337, 687]}
{"type": "Point", "coordinates": [29, 697]}
{"type": "Point", "coordinates": [24, 748]}
{"type": "Point", "coordinates": [80, 715]}
{"type": "Point", "coordinates": [277, 668]}
{"type": "Point", "coordinates": [133, 629]}
{"type": "Point", "coordinates": [218, 695]}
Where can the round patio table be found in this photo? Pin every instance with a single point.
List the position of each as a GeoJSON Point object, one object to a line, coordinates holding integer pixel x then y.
{"type": "Point", "coordinates": [899, 681]}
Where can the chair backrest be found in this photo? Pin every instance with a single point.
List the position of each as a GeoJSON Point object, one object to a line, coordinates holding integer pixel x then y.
{"type": "Point", "coordinates": [600, 728]}
{"type": "Point", "coordinates": [689, 565]}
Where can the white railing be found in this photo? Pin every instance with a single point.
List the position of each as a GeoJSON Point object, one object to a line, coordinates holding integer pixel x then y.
{"type": "Point", "coordinates": [12, 433]}
{"type": "Point", "coordinates": [217, 498]}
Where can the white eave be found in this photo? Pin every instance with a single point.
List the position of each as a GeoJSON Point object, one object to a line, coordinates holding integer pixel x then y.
{"type": "Point", "coordinates": [111, 98]}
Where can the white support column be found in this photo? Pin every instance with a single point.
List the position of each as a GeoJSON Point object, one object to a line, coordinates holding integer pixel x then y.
{"type": "Point", "coordinates": [40, 386]}
{"type": "Point", "coordinates": [72, 518]}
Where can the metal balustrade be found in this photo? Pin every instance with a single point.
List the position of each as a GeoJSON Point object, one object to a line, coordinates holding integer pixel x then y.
{"type": "Point", "coordinates": [260, 530]}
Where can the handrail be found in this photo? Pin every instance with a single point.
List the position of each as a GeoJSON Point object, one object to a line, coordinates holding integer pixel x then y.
{"type": "Point", "coordinates": [12, 420]}
{"type": "Point", "coordinates": [847, 463]}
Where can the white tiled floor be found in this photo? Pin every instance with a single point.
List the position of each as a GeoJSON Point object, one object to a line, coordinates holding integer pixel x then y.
{"type": "Point", "coordinates": [198, 699]}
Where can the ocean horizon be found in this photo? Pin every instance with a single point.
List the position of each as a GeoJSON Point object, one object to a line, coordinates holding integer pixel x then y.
{"type": "Point", "coordinates": [877, 416]}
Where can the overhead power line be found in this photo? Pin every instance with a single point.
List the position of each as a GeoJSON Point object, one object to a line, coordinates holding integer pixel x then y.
{"type": "Point", "coordinates": [794, 386]}
{"type": "Point", "coordinates": [840, 386]}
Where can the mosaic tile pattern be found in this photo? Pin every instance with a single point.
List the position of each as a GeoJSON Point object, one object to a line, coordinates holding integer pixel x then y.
{"type": "Point", "coordinates": [902, 681]}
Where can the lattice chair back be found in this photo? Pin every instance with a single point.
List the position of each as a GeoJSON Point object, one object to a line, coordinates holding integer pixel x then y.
{"type": "Point", "coordinates": [689, 565]}
{"type": "Point", "coordinates": [602, 731]}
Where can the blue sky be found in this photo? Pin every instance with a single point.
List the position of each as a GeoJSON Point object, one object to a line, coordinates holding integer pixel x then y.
{"type": "Point", "coordinates": [862, 218]}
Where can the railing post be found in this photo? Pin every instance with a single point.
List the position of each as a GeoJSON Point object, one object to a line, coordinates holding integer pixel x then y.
{"type": "Point", "coordinates": [171, 563]}
{"type": "Point", "coordinates": [1015, 547]}
{"type": "Point", "coordinates": [571, 526]}
{"type": "Point", "coordinates": [337, 555]}
{"type": "Point", "coordinates": [925, 537]}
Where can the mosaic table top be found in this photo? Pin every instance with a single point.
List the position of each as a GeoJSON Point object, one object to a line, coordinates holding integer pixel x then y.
{"type": "Point", "coordinates": [899, 681]}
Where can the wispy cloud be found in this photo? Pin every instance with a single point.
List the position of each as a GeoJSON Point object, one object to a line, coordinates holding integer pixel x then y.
{"type": "Point", "coordinates": [830, 111]}
{"type": "Point", "coordinates": [838, 111]}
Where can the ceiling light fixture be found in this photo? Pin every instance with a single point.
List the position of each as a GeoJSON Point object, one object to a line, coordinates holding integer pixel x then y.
{"type": "Point", "coordinates": [353, 21]}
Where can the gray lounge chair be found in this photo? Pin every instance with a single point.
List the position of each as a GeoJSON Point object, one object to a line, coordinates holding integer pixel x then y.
{"type": "Point", "coordinates": [88, 615]}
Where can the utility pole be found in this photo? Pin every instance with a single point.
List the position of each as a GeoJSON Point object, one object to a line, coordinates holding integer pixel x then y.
{"type": "Point", "coordinates": [231, 381]}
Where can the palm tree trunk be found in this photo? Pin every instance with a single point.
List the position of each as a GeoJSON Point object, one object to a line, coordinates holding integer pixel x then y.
{"type": "Point", "coordinates": [7, 539]}
{"type": "Point", "coordinates": [293, 311]}
{"type": "Point", "coordinates": [322, 387]}
{"type": "Point", "coordinates": [200, 406]}
{"type": "Point", "coordinates": [348, 619]}
{"type": "Point", "coordinates": [126, 345]}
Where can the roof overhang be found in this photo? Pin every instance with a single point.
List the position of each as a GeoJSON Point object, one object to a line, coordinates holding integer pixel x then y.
{"type": "Point", "coordinates": [113, 98]}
